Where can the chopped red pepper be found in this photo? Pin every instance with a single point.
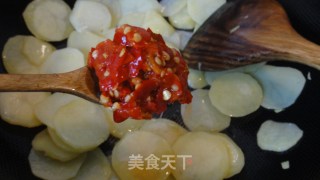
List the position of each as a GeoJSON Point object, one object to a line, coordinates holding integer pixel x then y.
{"type": "Point", "coordinates": [138, 74]}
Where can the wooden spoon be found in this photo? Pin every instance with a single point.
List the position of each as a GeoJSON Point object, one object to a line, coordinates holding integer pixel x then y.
{"type": "Point", "coordinates": [244, 32]}
{"type": "Point", "coordinates": [81, 82]}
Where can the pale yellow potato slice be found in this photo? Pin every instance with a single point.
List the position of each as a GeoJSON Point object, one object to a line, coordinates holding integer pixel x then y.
{"type": "Point", "coordinates": [182, 19]}
{"type": "Point", "coordinates": [171, 7]}
{"type": "Point", "coordinates": [36, 50]}
{"type": "Point", "coordinates": [156, 22]}
{"type": "Point", "coordinates": [165, 128]}
{"type": "Point", "coordinates": [236, 94]}
{"type": "Point", "coordinates": [90, 16]}
{"type": "Point", "coordinates": [63, 60]}
{"type": "Point", "coordinates": [84, 41]}
{"type": "Point", "coordinates": [129, 6]}
{"type": "Point", "coordinates": [200, 10]}
{"type": "Point", "coordinates": [278, 136]}
{"type": "Point", "coordinates": [133, 19]}
{"type": "Point", "coordinates": [136, 147]}
{"type": "Point", "coordinates": [120, 129]}
{"type": "Point", "coordinates": [47, 168]}
{"type": "Point", "coordinates": [201, 155]}
{"type": "Point", "coordinates": [48, 20]}
{"type": "Point", "coordinates": [14, 60]}
{"type": "Point", "coordinates": [201, 115]}
{"type": "Point", "coordinates": [237, 159]}
{"type": "Point", "coordinates": [18, 107]}
{"type": "Point", "coordinates": [60, 143]}
{"type": "Point", "coordinates": [42, 142]}
{"type": "Point", "coordinates": [196, 79]}
{"type": "Point", "coordinates": [185, 36]}
{"type": "Point", "coordinates": [95, 167]}
{"type": "Point", "coordinates": [81, 124]}
{"type": "Point", "coordinates": [47, 108]}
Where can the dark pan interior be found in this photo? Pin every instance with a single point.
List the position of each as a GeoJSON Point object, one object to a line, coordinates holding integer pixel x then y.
{"type": "Point", "coordinates": [15, 142]}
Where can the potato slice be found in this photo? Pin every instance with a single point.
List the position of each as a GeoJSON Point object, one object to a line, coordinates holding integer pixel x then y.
{"type": "Point", "coordinates": [136, 147]}
{"type": "Point", "coordinates": [48, 20]}
{"type": "Point", "coordinates": [60, 143]}
{"type": "Point", "coordinates": [95, 167]}
{"type": "Point", "coordinates": [133, 19]}
{"type": "Point", "coordinates": [281, 86]}
{"type": "Point", "coordinates": [278, 136]}
{"type": "Point", "coordinates": [46, 109]}
{"type": "Point", "coordinates": [120, 129]}
{"type": "Point", "coordinates": [63, 60]}
{"type": "Point", "coordinates": [236, 94]}
{"type": "Point", "coordinates": [236, 155]}
{"type": "Point", "coordinates": [157, 24]}
{"type": "Point", "coordinates": [182, 20]}
{"type": "Point", "coordinates": [90, 16]}
{"type": "Point", "coordinates": [185, 36]}
{"type": "Point", "coordinates": [42, 142]}
{"type": "Point", "coordinates": [202, 156]}
{"type": "Point", "coordinates": [18, 107]}
{"type": "Point", "coordinates": [201, 115]}
{"type": "Point", "coordinates": [84, 41]}
{"type": "Point", "coordinates": [36, 50]}
{"type": "Point", "coordinates": [171, 7]}
{"type": "Point", "coordinates": [200, 10]}
{"type": "Point", "coordinates": [129, 6]}
{"type": "Point", "coordinates": [165, 128]}
{"type": "Point", "coordinates": [81, 124]}
{"type": "Point", "coordinates": [47, 168]}
{"type": "Point", "coordinates": [196, 79]}
{"type": "Point", "coordinates": [14, 60]}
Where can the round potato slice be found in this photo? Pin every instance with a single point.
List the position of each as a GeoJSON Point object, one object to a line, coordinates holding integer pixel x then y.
{"type": "Point", "coordinates": [81, 124]}
{"type": "Point", "coordinates": [182, 20]}
{"type": "Point", "coordinates": [46, 109]}
{"type": "Point", "coordinates": [18, 107]}
{"type": "Point", "coordinates": [63, 60]}
{"type": "Point", "coordinates": [14, 60]}
{"type": "Point", "coordinates": [196, 79]}
{"type": "Point", "coordinates": [95, 167]}
{"type": "Point", "coordinates": [165, 128]}
{"type": "Point", "coordinates": [236, 94]}
{"type": "Point", "coordinates": [129, 6]}
{"type": "Point", "coordinates": [138, 156]}
{"type": "Point", "coordinates": [42, 142]}
{"type": "Point", "coordinates": [201, 115]}
{"type": "Point", "coordinates": [47, 168]}
{"type": "Point", "coordinates": [60, 143]}
{"type": "Point", "coordinates": [171, 7]}
{"type": "Point", "coordinates": [200, 10]}
{"type": "Point", "coordinates": [48, 20]}
{"type": "Point", "coordinates": [201, 155]}
{"type": "Point", "coordinates": [156, 22]}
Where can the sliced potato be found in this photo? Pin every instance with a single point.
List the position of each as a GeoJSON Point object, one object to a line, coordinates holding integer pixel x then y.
{"type": "Point", "coordinates": [171, 7]}
{"type": "Point", "coordinates": [90, 16]}
{"type": "Point", "coordinates": [84, 41]}
{"type": "Point", "coordinates": [18, 107]}
{"type": "Point", "coordinates": [202, 156]}
{"type": "Point", "coordinates": [236, 94]}
{"type": "Point", "coordinates": [36, 50]}
{"type": "Point", "coordinates": [201, 115]}
{"type": "Point", "coordinates": [63, 60]}
{"type": "Point", "coordinates": [281, 86]}
{"type": "Point", "coordinates": [129, 6]}
{"type": "Point", "coordinates": [196, 79]}
{"type": "Point", "coordinates": [81, 124]}
{"type": "Point", "coordinates": [182, 20]}
{"type": "Point", "coordinates": [47, 168]}
{"type": "Point", "coordinates": [14, 60]}
{"type": "Point", "coordinates": [61, 144]}
{"type": "Point", "coordinates": [120, 129]}
{"type": "Point", "coordinates": [236, 155]}
{"type": "Point", "coordinates": [46, 109]}
{"type": "Point", "coordinates": [165, 128]}
{"type": "Point", "coordinates": [48, 20]}
{"type": "Point", "coordinates": [157, 24]}
{"type": "Point", "coordinates": [185, 36]}
{"type": "Point", "coordinates": [278, 136]}
{"type": "Point", "coordinates": [200, 10]}
{"type": "Point", "coordinates": [173, 41]}
{"type": "Point", "coordinates": [135, 147]}
{"type": "Point", "coordinates": [133, 19]}
{"type": "Point", "coordinates": [42, 142]}
{"type": "Point", "coordinates": [95, 167]}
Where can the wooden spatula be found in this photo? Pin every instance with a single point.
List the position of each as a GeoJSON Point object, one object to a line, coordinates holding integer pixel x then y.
{"type": "Point", "coordinates": [244, 32]}
{"type": "Point", "coordinates": [81, 82]}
